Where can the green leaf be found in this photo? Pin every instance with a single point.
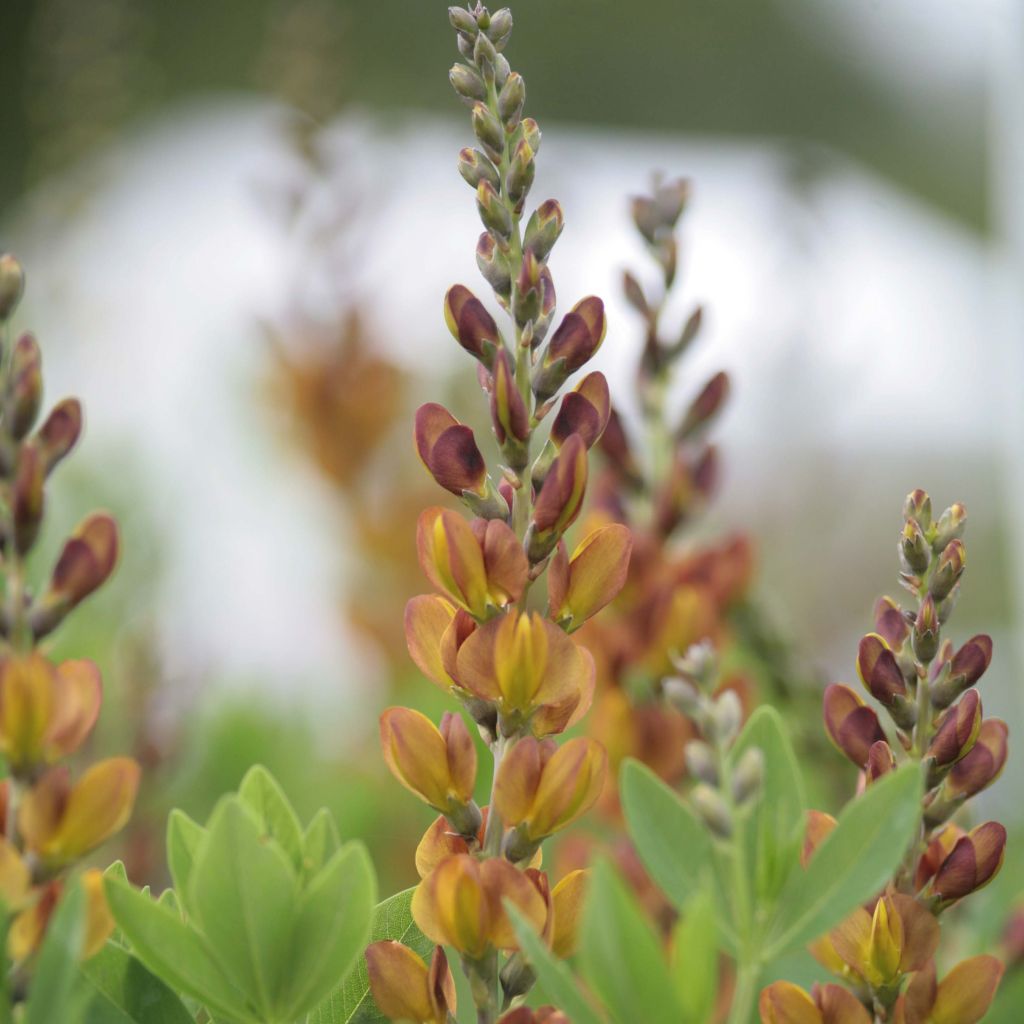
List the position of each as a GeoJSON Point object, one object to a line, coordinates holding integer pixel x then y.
{"type": "Point", "coordinates": [621, 957]}
{"type": "Point", "coordinates": [320, 841]}
{"type": "Point", "coordinates": [175, 952]}
{"type": "Point", "coordinates": [671, 841]}
{"type": "Point", "coordinates": [244, 895]}
{"type": "Point", "coordinates": [123, 991]}
{"type": "Point", "coordinates": [184, 838]}
{"type": "Point", "coordinates": [331, 930]}
{"type": "Point", "coordinates": [554, 977]}
{"type": "Point", "coordinates": [773, 831]}
{"type": "Point", "coordinates": [352, 1003]}
{"type": "Point", "coordinates": [260, 792]}
{"type": "Point", "coordinates": [694, 962]}
{"type": "Point", "coordinates": [52, 994]}
{"type": "Point", "coordinates": [852, 864]}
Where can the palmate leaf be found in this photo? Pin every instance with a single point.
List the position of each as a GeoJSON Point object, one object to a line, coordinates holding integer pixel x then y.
{"type": "Point", "coordinates": [852, 864]}
{"type": "Point", "coordinates": [352, 1003]}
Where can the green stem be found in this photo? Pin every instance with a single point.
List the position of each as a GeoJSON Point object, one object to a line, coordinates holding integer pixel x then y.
{"type": "Point", "coordinates": [745, 993]}
{"type": "Point", "coordinates": [493, 832]}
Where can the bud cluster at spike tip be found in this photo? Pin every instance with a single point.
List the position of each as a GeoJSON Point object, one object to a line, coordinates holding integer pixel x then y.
{"type": "Point", "coordinates": [50, 819]}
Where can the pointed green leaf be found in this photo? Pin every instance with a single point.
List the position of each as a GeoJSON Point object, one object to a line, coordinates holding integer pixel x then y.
{"type": "Point", "coordinates": [694, 962]}
{"type": "Point", "coordinates": [553, 976]}
{"type": "Point", "coordinates": [184, 837]}
{"type": "Point", "coordinates": [331, 930]}
{"type": "Point", "coordinates": [352, 1003]}
{"type": "Point", "coordinates": [175, 952]}
{"type": "Point", "coordinates": [852, 864]}
{"type": "Point", "coordinates": [261, 793]}
{"type": "Point", "coordinates": [244, 895]}
{"type": "Point", "coordinates": [320, 841]}
{"type": "Point", "coordinates": [123, 991]}
{"type": "Point", "coordinates": [621, 957]}
{"type": "Point", "coordinates": [671, 841]}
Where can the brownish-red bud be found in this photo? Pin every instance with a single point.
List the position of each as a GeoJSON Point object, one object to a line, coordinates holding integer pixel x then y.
{"type": "Point", "coordinates": [449, 451]}
{"type": "Point", "coordinates": [983, 764]}
{"type": "Point", "coordinates": [879, 671]}
{"type": "Point", "coordinates": [509, 415]}
{"type": "Point", "coordinates": [561, 497]}
{"type": "Point", "coordinates": [616, 449]}
{"type": "Point", "coordinates": [25, 386]}
{"type": "Point", "coordinates": [706, 405]}
{"type": "Point", "coordinates": [958, 729]}
{"type": "Point", "coordinates": [890, 623]}
{"type": "Point", "coordinates": [27, 498]}
{"type": "Point", "coordinates": [12, 284]}
{"type": "Point", "coordinates": [881, 760]}
{"type": "Point", "coordinates": [972, 864]}
{"type": "Point", "coordinates": [852, 726]}
{"type": "Point", "coordinates": [950, 568]}
{"type": "Point", "coordinates": [584, 411]}
{"type": "Point", "coordinates": [60, 432]}
{"type": "Point", "coordinates": [471, 325]}
{"type": "Point", "coordinates": [576, 340]}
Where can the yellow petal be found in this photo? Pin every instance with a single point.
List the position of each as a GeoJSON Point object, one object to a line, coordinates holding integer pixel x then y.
{"type": "Point", "coordinates": [415, 752]}
{"type": "Point", "coordinates": [399, 982]}
{"type": "Point", "coordinates": [79, 693]}
{"type": "Point", "coordinates": [426, 619]}
{"type": "Point", "coordinates": [965, 994]}
{"type": "Point", "coordinates": [785, 1003]}
{"type": "Point", "coordinates": [597, 572]}
{"type": "Point", "coordinates": [569, 786]}
{"type": "Point", "coordinates": [15, 877]}
{"type": "Point", "coordinates": [99, 922]}
{"type": "Point", "coordinates": [567, 902]}
{"type": "Point", "coordinates": [504, 883]}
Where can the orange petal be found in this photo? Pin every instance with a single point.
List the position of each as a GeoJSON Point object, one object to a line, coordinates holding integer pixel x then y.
{"type": "Point", "coordinates": [597, 572]}
{"type": "Point", "coordinates": [519, 775]}
{"type": "Point", "coordinates": [567, 902]}
{"type": "Point", "coordinates": [450, 906]}
{"type": "Point", "coordinates": [416, 754]}
{"type": "Point", "coordinates": [426, 619]}
{"type": "Point", "coordinates": [840, 1006]}
{"type": "Point", "coordinates": [15, 877]}
{"type": "Point", "coordinates": [79, 693]}
{"type": "Point", "coordinates": [399, 982]}
{"type": "Point", "coordinates": [785, 1003]}
{"type": "Point", "coordinates": [965, 994]}
{"type": "Point", "coordinates": [27, 706]}
{"type": "Point", "coordinates": [503, 882]}
{"type": "Point", "coordinates": [570, 784]}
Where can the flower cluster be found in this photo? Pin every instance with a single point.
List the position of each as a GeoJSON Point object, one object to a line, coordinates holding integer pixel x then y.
{"type": "Point", "coordinates": [485, 636]}
{"type": "Point", "coordinates": [48, 819]}
{"type": "Point", "coordinates": [884, 951]}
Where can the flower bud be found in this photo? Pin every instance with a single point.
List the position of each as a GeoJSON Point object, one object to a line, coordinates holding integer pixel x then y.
{"type": "Point", "coordinates": [616, 449]}
{"type": "Point", "coordinates": [950, 527]}
{"type": "Point", "coordinates": [438, 765]}
{"type": "Point", "coordinates": [982, 764]}
{"type": "Point", "coordinates": [493, 265]}
{"type": "Point", "coordinates": [712, 809]}
{"type": "Point", "coordinates": [462, 904]}
{"type": "Point", "coordinates": [463, 21]}
{"type": "Point", "coordinates": [510, 101]}
{"type": "Point", "coordinates": [527, 1015]}
{"type": "Point", "coordinates": [918, 507]}
{"type": "Point", "coordinates": [785, 1003]}
{"type": "Point", "coordinates": [532, 134]}
{"type": "Point", "coordinates": [748, 777]}
{"type": "Point", "coordinates": [541, 787]}
{"type": "Point", "coordinates": [576, 340]}
{"type": "Point", "coordinates": [405, 989]}
{"type": "Point", "coordinates": [484, 53]}
{"type": "Point", "coordinates": [914, 551]}
{"type": "Point", "coordinates": [963, 997]}
{"type": "Point", "coordinates": [500, 27]}
{"type": "Point", "coordinates": [580, 586]}
{"type": "Point", "coordinates": [12, 285]}
{"type": "Point", "coordinates": [890, 623]}
{"type": "Point", "coordinates": [449, 451]}
{"type": "Point", "coordinates": [705, 406]}
{"type": "Point", "coordinates": [493, 212]}
{"type": "Point", "coordinates": [543, 227]}
{"type": "Point", "coordinates": [521, 171]}
{"type": "Point", "coordinates": [926, 631]}
{"type": "Point", "coordinates": [881, 761]}
{"type": "Point", "coordinates": [852, 726]}
{"type": "Point", "coordinates": [972, 863]}
{"type": "Point", "coordinates": [700, 762]}
{"type": "Point", "coordinates": [950, 568]}
{"type": "Point", "coordinates": [957, 731]}
{"type": "Point", "coordinates": [726, 716]}
{"type": "Point", "coordinates": [527, 296]}
{"type": "Point", "coordinates": [509, 415]}
{"type": "Point", "coordinates": [560, 499]}
{"type": "Point", "coordinates": [635, 294]}
{"type": "Point", "coordinates": [878, 670]}
{"type": "Point", "coordinates": [25, 386]}
{"type": "Point", "coordinates": [60, 432]}
{"type": "Point", "coordinates": [475, 167]}
{"type": "Point", "coordinates": [470, 323]}
{"type": "Point", "coordinates": [965, 668]}
{"type": "Point", "coordinates": [487, 128]}
{"type": "Point", "coordinates": [27, 498]}
{"type": "Point", "coordinates": [467, 82]}
{"type": "Point", "coordinates": [584, 411]}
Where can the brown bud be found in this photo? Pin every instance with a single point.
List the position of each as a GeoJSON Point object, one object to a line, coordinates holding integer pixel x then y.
{"type": "Point", "coordinates": [576, 340]}
{"type": "Point", "coordinates": [543, 228]}
{"type": "Point", "coordinates": [890, 623]}
{"type": "Point", "coordinates": [705, 406]}
{"type": "Point", "coordinates": [560, 499]}
{"type": "Point", "coordinates": [449, 450]}
{"type": "Point", "coordinates": [881, 760]}
{"type": "Point", "coordinates": [584, 411]}
{"type": "Point", "coordinates": [983, 764]}
{"type": "Point", "coordinates": [972, 863]}
{"type": "Point", "coordinates": [509, 415]}
{"type": "Point", "coordinates": [12, 285]}
{"type": "Point", "coordinates": [25, 386]}
{"type": "Point", "coordinates": [957, 731]}
{"type": "Point", "coordinates": [27, 498]}
{"type": "Point", "coordinates": [471, 325]}
{"type": "Point", "coordinates": [60, 432]}
{"type": "Point", "coordinates": [918, 507]}
{"type": "Point", "coordinates": [616, 449]}
{"type": "Point", "coordinates": [852, 726]}
{"type": "Point", "coordinates": [950, 568]}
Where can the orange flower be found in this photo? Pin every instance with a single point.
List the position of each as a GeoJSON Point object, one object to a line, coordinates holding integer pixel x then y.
{"type": "Point", "coordinates": [62, 822]}
{"type": "Point", "coordinates": [963, 996]}
{"type": "Point", "coordinates": [541, 787]}
{"type": "Point", "coordinates": [405, 989]}
{"type": "Point", "coordinates": [530, 669]}
{"type": "Point", "coordinates": [462, 904]}
{"type": "Point", "coordinates": [580, 586]}
{"type": "Point", "coordinates": [46, 711]}
{"type": "Point", "coordinates": [785, 1003]}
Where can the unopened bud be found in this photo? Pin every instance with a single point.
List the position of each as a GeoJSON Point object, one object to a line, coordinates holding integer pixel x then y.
{"type": "Point", "coordinates": [531, 132]}
{"type": "Point", "coordinates": [918, 507]}
{"type": "Point", "coordinates": [462, 21]}
{"type": "Point", "coordinates": [59, 432]}
{"type": "Point", "coordinates": [493, 265]}
{"type": "Point", "coordinates": [475, 167]}
{"type": "Point", "coordinates": [543, 228]}
{"type": "Point", "coordinates": [683, 696]}
{"type": "Point", "coordinates": [487, 128]}
{"type": "Point", "coordinates": [712, 808]}
{"type": "Point", "coordinates": [961, 670]}
{"type": "Point", "coordinates": [517, 976]}
{"type": "Point", "coordinates": [950, 527]}
{"type": "Point", "coordinates": [926, 631]}
{"type": "Point", "coordinates": [705, 406]}
{"type": "Point", "coordinates": [500, 27]}
{"type": "Point", "coordinates": [501, 71]}
{"type": "Point", "coordinates": [12, 284]}
{"type": "Point", "coordinates": [635, 294]}
{"type": "Point", "coordinates": [25, 387]}
{"type": "Point", "coordinates": [913, 548]}
{"type": "Point", "coordinates": [726, 716]}
{"type": "Point", "coordinates": [27, 498]}
{"type": "Point", "coordinates": [527, 298]}
{"type": "Point", "coordinates": [748, 776]}
{"type": "Point", "coordinates": [700, 762]}
{"type": "Point", "coordinates": [950, 568]}
{"type": "Point", "coordinates": [467, 82]}
{"type": "Point", "coordinates": [484, 52]}
{"type": "Point", "coordinates": [699, 663]}
{"type": "Point", "coordinates": [493, 212]}
{"type": "Point", "coordinates": [520, 174]}
{"type": "Point", "coordinates": [511, 100]}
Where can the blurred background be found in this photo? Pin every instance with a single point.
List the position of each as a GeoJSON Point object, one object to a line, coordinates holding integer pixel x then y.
{"type": "Point", "coordinates": [239, 220]}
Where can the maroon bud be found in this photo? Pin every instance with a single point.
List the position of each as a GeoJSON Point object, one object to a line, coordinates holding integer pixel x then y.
{"type": "Point", "coordinates": [584, 411]}
{"type": "Point", "coordinates": [25, 386]}
{"type": "Point", "coordinates": [577, 338]}
{"type": "Point", "coordinates": [560, 499]}
{"type": "Point", "coordinates": [926, 631]}
{"type": "Point", "coordinates": [615, 447]}
{"type": "Point", "coordinates": [983, 763]}
{"type": "Point", "coordinates": [958, 729]}
{"type": "Point", "coordinates": [878, 670]}
{"type": "Point", "coordinates": [449, 451]}
{"type": "Point", "coordinates": [890, 623]}
{"type": "Point", "coordinates": [60, 432]}
{"type": "Point", "coordinates": [972, 863]}
{"type": "Point", "coordinates": [470, 323]}
{"type": "Point", "coordinates": [971, 661]}
{"type": "Point", "coordinates": [881, 760]}
{"type": "Point", "coordinates": [948, 571]}
{"type": "Point", "coordinates": [705, 406]}
{"type": "Point", "coordinates": [27, 498]}
{"type": "Point", "coordinates": [852, 726]}
{"type": "Point", "coordinates": [509, 416]}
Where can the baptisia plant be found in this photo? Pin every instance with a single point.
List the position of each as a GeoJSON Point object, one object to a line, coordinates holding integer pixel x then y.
{"type": "Point", "coordinates": [488, 635]}
{"type": "Point", "coordinates": [50, 817]}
